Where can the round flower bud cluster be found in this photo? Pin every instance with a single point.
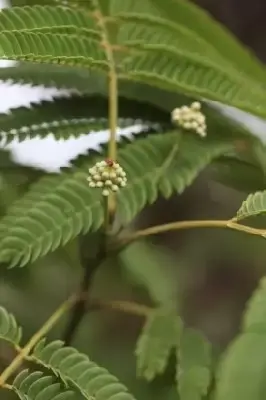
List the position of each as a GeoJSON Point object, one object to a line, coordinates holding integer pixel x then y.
{"type": "Point", "coordinates": [107, 175]}
{"type": "Point", "coordinates": [191, 118]}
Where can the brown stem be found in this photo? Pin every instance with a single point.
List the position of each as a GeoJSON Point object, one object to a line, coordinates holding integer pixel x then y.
{"type": "Point", "coordinates": [120, 305]}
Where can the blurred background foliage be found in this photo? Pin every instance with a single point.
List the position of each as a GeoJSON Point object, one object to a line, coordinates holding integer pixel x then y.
{"type": "Point", "coordinates": [208, 274]}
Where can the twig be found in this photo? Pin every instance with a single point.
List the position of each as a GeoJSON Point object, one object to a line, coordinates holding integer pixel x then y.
{"type": "Point", "coordinates": [120, 305]}
{"type": "Point", "coordinates": [181, 225]}
{"type": "Point", "coordinates": [79, 309]}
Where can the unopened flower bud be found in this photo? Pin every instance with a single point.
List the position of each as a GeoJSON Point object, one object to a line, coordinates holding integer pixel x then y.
{"type": "Point", "coordinates": [106, 192]}
{"type": "Point", "coordinates": [108, 175]}
{"type": "Point", "coordinates": [190, 118]}
{"type": "Point", "coordinates": [196, 106]}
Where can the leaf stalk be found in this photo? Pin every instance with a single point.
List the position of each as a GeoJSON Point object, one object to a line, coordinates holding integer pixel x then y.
{"type": "Point", "coordinates": [182, 225]}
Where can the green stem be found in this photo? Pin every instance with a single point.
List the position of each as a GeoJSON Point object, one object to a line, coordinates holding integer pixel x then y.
{"type": "Point", "coordinates": [124, 306]}
{"type": "Point", "coordinates": [181, 225]}
{"type": "Point", "coordinates": [113, 112]}
{"type": "Point", "coordinates": [113, 115]}
{"type": "Point", "coordinates": [25, 351]}
{"type": "Point", "coordinates": [113, 97]}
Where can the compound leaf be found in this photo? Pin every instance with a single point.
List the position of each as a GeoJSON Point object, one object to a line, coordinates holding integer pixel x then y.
{"type": "Point", "coordinates": [158, 338]}
{"type": "Point", "coordinates": [67, 117]}
{"type": "Point", "coordinates": [254, 204]}
{"type": "Point", "coordinates": [35, 385]}
{"type": "Point", "coordinates": [57, 209]}
{"type": "Point", "coordinates": [194, 365]}
{"type": "Point", "coordinates": [78, 371]}
{"type": "Point", "coordinates": [9, 329]}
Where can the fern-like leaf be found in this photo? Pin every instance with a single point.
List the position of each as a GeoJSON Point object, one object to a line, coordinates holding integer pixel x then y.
{"type": "Point", "coordinates": [49, 19]}
{"type": "Point", "coordinates": [57, 209]}
{"type": "Point", "coordinates": [148, 47]}
{"type": "Point", "coordinates": [167, 168]}
{"type": "Point", "coordinates": [159, 336]}
{"type": "Point", "coordinates": [59, 76]}
{"type": "Point", "coordinates": [216, 35]}
{"type": "Point", "coordinates": [180, 59]}
{"type": "Point", "coordinates": [22, 3]}
{"type": "Point", "coordinates": [193, 75]}
{"type": "Point", "coordinates": [37, 386]}
{"type": "Point", "coordinates": [78, 371]}
{"type": "Point", "coordinates": [73, 116]}
{"type": "Point", "coordinates": [194, 362]}
{"type": "Point", "coordinates": [51, 48]}
{"type": "Point", "coordinates": [255, 204]}
{"type": "Point", "coordinates": [202, 32]}
{"type": "Point", "coordinates": [9, 329]}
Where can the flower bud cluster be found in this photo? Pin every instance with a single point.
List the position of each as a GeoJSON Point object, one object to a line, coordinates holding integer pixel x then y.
{"type": "Point", "coordinates": [191, 118]}
{"type": "Point", "coordinates": [107, 175]}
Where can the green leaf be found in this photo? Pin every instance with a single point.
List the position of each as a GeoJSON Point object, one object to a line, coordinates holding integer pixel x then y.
{"type": "Point", "coordinates": [54, 211]}
{"type": "Point", "coordinates": [214, 33]}
{"type": "Point", "coordinates": [238, 174]}
{"type": "Point", "coordinates": [49, 19]}
{"type": "Point", "coordinates": [14, 179]}
{"type": "Point", "coordinates": [37, 386]}
{"type": "Point", "coordinates": [57, 209]}
{"type": "Point", "coordinates": [255, 315]}
{"type": "Point", "coordinates": [145, 265]}
{"type": "Point", "coordinates": [22, 3]}
{"type": "Point", "coordinates": [194, 362]}
{"type": "Point", "coordinates": [91, 82]}
{"type": "Point", "coordinates": [137, 28]}
{"type": "Point", "coordinates": [78, 79]}
{"type": "Point", "coordinates": [193, 75]}
{"type": "Point", "coordinates": [169, 166]}
{"type": "Point", "coordinates": [241, 374]}
{"type": "Point", "coordinates": [73, 116]}
{"type": "Point", "coordinates": [255, 204]}
{"type": "Point", "coordinates": [242, 369]}
{"type": "Point", "coordinates": [59, 76]}
{"type": "Point", "coordinates": [150, 47]}
{"type": "Point", "coordinates": [78, 371]}
{"type": "Point", "coordinates": [51, 48]}
{"type": "Point", "coordinates": [159, 336]}
{"type": "Point", "coordinates": [9, 329]}
{"type": "Point", "coordinates": [172, 55]}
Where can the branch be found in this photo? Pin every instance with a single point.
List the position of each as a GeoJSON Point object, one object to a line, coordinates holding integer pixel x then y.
{"type": "Point", "coordinates": [80, 307]}
{"type": "Point", "coordinates": [124, 306]}
{"type": "Point", "coordinates": [25, 351]}
{"type": "Point", "coordinates": [181, 225]}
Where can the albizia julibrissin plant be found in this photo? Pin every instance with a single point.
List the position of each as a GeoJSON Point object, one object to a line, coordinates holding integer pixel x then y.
{"type": "Point", "coordinates": [154, 63]}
